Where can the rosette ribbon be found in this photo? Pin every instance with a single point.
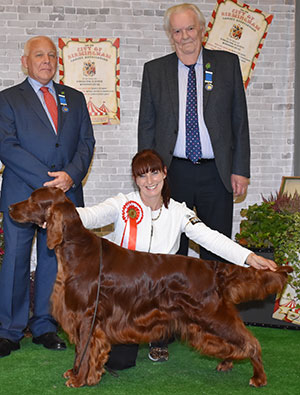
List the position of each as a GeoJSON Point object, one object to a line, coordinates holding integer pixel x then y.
{"type": "Point", "coordinates": [132, 214]}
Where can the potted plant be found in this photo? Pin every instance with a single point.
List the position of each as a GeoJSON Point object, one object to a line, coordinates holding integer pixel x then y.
{"type": "Point", "coordinates": [274, 225]}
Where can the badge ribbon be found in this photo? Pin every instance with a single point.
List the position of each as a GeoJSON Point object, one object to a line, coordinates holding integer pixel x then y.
{"type": "Point", "coordinates": [63, 102]}
{"type": "Point", "coordinates": [208, 80]}
{"type": "Point", "coordinates": [132, 213]}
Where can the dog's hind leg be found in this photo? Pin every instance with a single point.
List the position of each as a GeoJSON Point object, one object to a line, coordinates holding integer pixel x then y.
{"type": "Point", "coordinates": [244, 344]}
{"type": "Point", "coordinates": [259, 378]}
{"type": "Point", "coordinates": [248, 347]}
{"type": "Point", "coordinates": [232, 342]}
{"type": "Point", "coordinates": [225, 366]}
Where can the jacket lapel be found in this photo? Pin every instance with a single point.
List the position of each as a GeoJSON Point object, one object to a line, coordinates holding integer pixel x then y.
{"type": "Point", "coordinates": [172, 80]}
{"type": "Point", "coordinates": [62, 109]}
{"type": "Point", "coordinates": [34, 102]}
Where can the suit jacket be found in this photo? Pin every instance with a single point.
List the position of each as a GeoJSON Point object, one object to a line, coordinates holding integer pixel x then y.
{"type": "Point", "coordinates": [224, 109]}
{"type": "Point", "coordinates": [29, 147]}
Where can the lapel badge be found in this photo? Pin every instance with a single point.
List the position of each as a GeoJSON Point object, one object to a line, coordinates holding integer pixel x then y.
{"type": "Point", "coordinates": [62, 99]}
{"type": "Point", "coordinates": [63, 102]}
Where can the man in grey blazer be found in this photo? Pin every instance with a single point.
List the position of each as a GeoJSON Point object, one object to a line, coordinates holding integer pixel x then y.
{"type": "Point", "coordinates": [38, 149]}
{"type": "Point", "coordinates": [223, 167]}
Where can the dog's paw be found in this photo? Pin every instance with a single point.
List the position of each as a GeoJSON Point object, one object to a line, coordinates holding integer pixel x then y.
{"type": "Point", "coordinates": [258, 381]}
{"type": "Point", "coordinates": [224, 366]}
{"type": "Point", "coordinates": [74, 382]}
{"type": "Point", "coordinates": [69, 373]}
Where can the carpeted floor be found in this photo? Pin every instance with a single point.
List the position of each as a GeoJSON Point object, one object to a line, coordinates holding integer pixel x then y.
{"type": "Point", "coordinates": [35, 370]}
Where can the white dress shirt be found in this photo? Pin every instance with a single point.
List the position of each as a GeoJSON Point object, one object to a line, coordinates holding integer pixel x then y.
{"type": "Point", "coordinates": [36, 87]}
{"type": "Point", "coordinates": [206, 146]}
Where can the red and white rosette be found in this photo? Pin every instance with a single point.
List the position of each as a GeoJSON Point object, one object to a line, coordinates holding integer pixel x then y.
{"type": "Point", "coordinates": [132, 213]}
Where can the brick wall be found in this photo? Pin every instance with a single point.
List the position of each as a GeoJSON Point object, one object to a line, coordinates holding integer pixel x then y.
{"type": "Point", "coordinates": [270, 94]}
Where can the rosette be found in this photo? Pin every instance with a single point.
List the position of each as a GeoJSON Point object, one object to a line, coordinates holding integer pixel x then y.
{"type": "Point", "coordinates": [132, 213]}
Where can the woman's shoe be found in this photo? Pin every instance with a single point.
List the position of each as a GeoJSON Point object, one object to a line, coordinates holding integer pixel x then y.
{"type": "Point", "coordinates": [158, 354]}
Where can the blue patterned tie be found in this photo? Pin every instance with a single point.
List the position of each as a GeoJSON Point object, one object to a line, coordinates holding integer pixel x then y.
{"type": "Point", "coordinates": [193, 144]}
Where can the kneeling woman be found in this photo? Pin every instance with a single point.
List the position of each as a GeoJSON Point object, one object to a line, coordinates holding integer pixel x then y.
{"type": "Point", "coordinates": [148, 220]}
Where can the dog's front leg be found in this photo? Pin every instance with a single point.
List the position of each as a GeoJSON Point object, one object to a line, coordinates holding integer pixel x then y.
{"type": "Point", "coordinates": [91, 355]}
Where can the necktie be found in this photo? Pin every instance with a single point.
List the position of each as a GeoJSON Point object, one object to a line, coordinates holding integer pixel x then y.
{"type": "Point", "coordinates": [51, 105]}
{"type": "Point", "coordinates": [193, 144]}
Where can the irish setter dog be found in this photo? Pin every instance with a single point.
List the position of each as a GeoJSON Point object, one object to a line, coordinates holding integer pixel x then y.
{"type": "Point", "coordinates": [143, 297]}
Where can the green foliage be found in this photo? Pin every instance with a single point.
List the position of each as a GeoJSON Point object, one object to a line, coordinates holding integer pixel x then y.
{"type": "Point", "coordinates": [262, 226]}
{"type": "Point", "coordinates": [288, 250]}
{"type": "Point", "coordinates": [275, 223]}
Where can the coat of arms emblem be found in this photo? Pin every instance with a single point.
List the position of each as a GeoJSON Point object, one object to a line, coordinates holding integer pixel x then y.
{"type": "Point", "coordinates": [236, 32]}
{"type": "Point", "coordinates": [89, 68]}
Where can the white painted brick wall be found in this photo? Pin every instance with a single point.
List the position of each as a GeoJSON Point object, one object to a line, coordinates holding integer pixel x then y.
{"type": "Point", "coordinates": [139, 26]}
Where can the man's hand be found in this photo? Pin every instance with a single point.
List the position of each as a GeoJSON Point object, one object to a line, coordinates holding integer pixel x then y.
{"type": "Point", "coordinates": [259, 262]}
{"type": "Point", "coordinates": [61, 180]}
{"type": "Point", "coordinates": [239, 184]}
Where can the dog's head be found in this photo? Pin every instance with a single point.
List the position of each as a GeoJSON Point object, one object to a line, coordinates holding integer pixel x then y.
{"type": "Point", "coordinates": [45, 205]}
{"type": "Point", "coordinates": [36, 208]}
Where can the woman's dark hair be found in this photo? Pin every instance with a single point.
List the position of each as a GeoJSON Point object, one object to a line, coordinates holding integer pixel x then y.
{"type": "Point", "coordinates": [149, 160]}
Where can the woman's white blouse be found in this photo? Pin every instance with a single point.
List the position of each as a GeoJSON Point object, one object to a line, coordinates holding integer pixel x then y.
{"type": "Point", "coordinates": [163, 234]}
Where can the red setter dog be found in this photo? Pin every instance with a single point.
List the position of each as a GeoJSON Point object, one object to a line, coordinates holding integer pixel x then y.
{"type": "Point", "coordinates": [143, 297]}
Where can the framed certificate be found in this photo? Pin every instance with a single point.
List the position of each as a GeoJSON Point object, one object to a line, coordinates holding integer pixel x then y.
{"type": "Point", "coordinates": [92, 66]}
{"type": "Point", "coordinates": [236, 27]}
{"type": "Point", "coordinates": [290, 185]}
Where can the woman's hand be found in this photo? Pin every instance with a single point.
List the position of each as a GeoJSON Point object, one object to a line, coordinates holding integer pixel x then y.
{"type": "Point", "coordinates": [261, 263]}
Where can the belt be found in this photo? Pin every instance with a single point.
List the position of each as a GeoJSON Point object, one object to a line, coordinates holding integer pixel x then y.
{"type": "Point", "coordinates": [199, 161]}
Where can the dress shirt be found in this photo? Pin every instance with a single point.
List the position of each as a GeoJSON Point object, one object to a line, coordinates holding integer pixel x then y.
{"type": "Point", "coordinates": [36, 87]}
{"type": "Point", "coordinates": [206, 146]}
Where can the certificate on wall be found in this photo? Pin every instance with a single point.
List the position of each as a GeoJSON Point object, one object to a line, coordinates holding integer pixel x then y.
{"type": "Point", "coordinates": [92, 66]}
{"type": "Point", "coordinates": [236, 27]}
{"type": "Point", "coordinates": [287, 305]}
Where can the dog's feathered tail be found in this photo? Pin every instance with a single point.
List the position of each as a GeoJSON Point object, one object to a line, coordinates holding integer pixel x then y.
{"type": "Point", "coordinates": [259, 284]}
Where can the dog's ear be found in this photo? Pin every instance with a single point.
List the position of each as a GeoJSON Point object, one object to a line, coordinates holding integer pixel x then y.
{"type": "Point", "coordinates": [54, 227]}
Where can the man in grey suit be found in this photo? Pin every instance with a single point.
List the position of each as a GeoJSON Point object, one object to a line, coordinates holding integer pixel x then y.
{"type": "Point", "coordinates": [221, 168]}
{"type": "Point", "coordinates": [41, 144]}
